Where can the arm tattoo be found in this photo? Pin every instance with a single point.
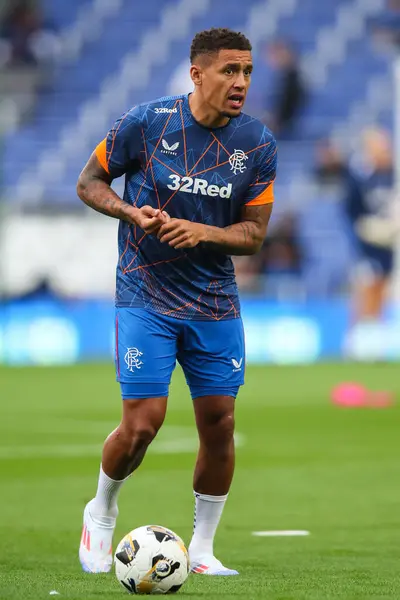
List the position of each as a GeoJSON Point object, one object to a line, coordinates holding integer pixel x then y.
{"type": "Point", "coordinates": [94, 190]}
{"type": "Point", "coordinates": [245, 237]}
{"type": "Point", "coordinates": [244, 228]}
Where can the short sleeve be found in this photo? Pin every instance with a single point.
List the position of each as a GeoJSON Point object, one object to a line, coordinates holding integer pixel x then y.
{"type": "Point", "coordinates": [261, 190]}
{"type": "Point", "coordinates": [123, 144]}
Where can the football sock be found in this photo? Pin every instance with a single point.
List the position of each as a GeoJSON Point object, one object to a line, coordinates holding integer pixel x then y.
{"type": "Point", "coordinates": [105, 502]}
{"type": "Point", "coordinates": [207, 514]}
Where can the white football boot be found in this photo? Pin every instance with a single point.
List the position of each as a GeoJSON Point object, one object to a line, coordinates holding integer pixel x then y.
{"type": "Point", "coordinates": [209, 565]}
{"type": "Point", "coordinates": [95, 551]}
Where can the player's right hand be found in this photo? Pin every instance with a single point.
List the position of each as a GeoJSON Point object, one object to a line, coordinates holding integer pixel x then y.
{"type": "Point", "coordinates": [151, 219]}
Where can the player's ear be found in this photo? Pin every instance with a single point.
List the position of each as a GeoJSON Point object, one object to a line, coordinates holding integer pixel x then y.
{"type": "Point", "coordinates": [196, 74]}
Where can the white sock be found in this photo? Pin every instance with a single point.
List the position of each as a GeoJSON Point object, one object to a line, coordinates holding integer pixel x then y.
{"type": "Point", "coordinates": [207, 513]}
{"type": "Point", "coordinates": [104, 505]}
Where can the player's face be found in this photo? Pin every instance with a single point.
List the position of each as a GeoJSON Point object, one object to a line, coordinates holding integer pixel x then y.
{"type": "Point", "coordinates": [225, 81]}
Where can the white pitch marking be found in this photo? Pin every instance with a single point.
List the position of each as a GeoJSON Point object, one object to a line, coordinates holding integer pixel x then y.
{"type": "Point", "coordinates": [54, 593]}
{"type": "Point", "coordinates": [177, 440]}
{"type": "Point", "coordinates": [283, 533]}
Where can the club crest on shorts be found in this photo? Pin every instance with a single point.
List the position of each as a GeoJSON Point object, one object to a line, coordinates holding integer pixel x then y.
{"type": "Point", "coordinates": [236, 160]}
{"type": "Point", "coordinates": [132, 359]}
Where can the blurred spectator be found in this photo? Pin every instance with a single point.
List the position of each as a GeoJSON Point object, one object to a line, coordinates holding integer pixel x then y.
{"type": "Point", "coordinates": [25, 39]}
{"type": "Point", "coordinates": [289, 93]}
{"type": "Point", "coordinates": [322, 226]}
{"type": "Point", "coordinates": [280, 254]}
{"type": "Point", "coordinates": [350, 219]}
{"type": "Point", "coordinates": [331, 168]}
{"type": "Point", "coordinates": [386, 28]}
{"type": "Point", "coordinates": [247, 270]}
{"type": "Point", "coordinates": [28, 49]}
{"type": "Point", "coordinates": [275, 265]}
{"type": "Point", "coordinates": [370, 207]}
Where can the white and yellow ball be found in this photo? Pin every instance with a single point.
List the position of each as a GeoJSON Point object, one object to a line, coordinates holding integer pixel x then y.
{"type": "Point", "coordinates": [151, 560]}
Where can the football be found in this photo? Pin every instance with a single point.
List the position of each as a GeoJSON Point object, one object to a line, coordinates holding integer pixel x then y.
{"type": "Point", "coordinates": [151, 560]}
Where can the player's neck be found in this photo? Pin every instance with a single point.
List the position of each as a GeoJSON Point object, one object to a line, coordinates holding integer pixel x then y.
{"type": "Point", "coordinates": [204, 114]}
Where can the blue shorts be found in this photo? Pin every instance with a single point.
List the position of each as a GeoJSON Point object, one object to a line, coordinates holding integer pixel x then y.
{"type": "Point", "coordinates": [376, 262]}
{"type": "Point", "coordinates": [211, 354]}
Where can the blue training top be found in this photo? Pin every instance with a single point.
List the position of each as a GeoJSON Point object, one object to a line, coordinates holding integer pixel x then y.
{"type": "Point", "coordinates": [206, 175]}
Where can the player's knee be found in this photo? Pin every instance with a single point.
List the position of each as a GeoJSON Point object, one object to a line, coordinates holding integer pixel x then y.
{"type": "Point", "coordinates": [140, 424]}
{"type": "Point", "coordinates": [139, 435]}
{"type": "Point", "coordinates": [218, 434]}
{"type": "Point", "coordinates": [226, 428]}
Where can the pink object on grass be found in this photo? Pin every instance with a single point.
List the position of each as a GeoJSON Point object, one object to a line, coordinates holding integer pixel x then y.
{"type": "Point", "coordinates": [354, 395]}
{"type": "Point", "coordinates": [350, 394]}
{"type": "Point", "coordinates": [380, 399]}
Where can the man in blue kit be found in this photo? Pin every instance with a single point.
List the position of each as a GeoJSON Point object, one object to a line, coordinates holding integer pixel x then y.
{"type": "Point", "coordinates": [199, 188]}
{"type": "Point", "coordinates": [371, 207]}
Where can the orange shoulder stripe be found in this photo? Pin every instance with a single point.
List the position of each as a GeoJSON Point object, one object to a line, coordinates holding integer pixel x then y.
{"type": "Point", "coordinates": [266, 197]}
{"type": "Point", "coordinates": [101, 153]}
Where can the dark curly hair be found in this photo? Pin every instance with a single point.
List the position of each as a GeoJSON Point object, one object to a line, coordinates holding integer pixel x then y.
{"type": "Point", "coordinates": [213, 40]}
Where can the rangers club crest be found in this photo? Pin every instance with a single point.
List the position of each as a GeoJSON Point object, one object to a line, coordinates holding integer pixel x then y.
{"type": "Point", "coordinates": [236, 160]}
{"type": "Point", "coordinates": [132, 359]}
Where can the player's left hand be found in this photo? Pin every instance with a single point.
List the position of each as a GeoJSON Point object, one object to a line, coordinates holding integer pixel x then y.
{"type": "Point", "coordinates": [179, 233]}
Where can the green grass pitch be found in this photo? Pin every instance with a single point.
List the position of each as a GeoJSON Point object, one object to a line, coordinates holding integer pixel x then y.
{"type": "Point", "coordinates": [301, 464]}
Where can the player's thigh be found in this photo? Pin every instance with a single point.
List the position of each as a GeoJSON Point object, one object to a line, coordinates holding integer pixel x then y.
{"type": "Point", "coordinates": [146, 349]}
{"type": "Point", "coordinates": [212, 355]}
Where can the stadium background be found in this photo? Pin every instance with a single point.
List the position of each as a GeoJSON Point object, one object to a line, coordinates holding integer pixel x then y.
{"type": "Point", "coordinates": [66, 72]}
{"type": "Point", "coordinates": [85, 62]}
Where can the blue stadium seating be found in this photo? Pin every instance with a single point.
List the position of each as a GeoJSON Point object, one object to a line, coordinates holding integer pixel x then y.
{"type": "Point", "coordinates": [77, 82]}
